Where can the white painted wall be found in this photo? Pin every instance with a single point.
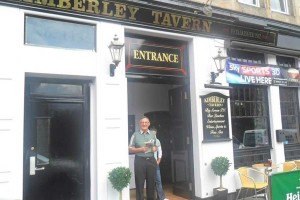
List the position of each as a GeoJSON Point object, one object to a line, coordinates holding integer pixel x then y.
{"type": "Point", "coordinates": [11, 105]}
{"type": "Point", "coordinates": [277, 152]}
{"type": "Point", "coordinates": [201, 63]}
{"type": "Point", "coordinates": [108, 100]}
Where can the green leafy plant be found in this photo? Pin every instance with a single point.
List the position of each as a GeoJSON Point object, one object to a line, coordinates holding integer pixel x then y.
{"type": "Point", "coordinates": [119, 177]}
{"type": "Point", "coordinates": [220, 166]}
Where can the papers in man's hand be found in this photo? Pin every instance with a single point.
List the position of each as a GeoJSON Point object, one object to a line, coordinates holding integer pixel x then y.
{"type": "Point", "coordinates": [149, 145]}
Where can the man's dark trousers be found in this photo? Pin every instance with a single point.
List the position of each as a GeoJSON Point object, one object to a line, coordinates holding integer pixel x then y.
{"type": "Point", "coordinates": [145, 169]}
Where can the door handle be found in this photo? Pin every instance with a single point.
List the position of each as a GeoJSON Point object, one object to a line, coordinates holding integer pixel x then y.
{"type": "Point", "coordinates": [32, 167]}
{"type": "Point", "coordinates": [39, 168]}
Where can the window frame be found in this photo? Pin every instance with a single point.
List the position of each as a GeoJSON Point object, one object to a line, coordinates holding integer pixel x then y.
{"type": "Point", "coordinates": [286, 8]}
{"type": "Point", "coordinates": [291, 110]}
{"type": "Point", "coordinates": [257, 4]}
{"type": "Point", "coordinates": [27, 35]}
{"type": "Point", "coordinates": [238, 98]}
{"type": "Point", "coordinates": [285, 62]}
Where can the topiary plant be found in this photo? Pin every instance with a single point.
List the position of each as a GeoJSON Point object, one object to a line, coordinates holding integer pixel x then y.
{"type": "Point", "coordinates": [220, 166]}
{"type": "Point", "coordinates": [119, 177]}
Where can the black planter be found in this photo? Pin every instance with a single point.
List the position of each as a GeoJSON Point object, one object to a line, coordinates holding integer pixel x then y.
{"type": "Point", "coordinates": [220, 193]}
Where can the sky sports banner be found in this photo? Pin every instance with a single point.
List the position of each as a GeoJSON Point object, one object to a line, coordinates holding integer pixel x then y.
{"type": "Point", "coordinates": [254, 74]}
{"type": "Point", "coordinates": [286, 185]}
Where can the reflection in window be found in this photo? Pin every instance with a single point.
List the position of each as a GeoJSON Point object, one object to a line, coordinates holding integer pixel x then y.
{"type": "Point", "coordinates": [279, 5]}
{"type": "Point", "coordinates": [42, 140]}
{"type": "Point", "coordinates": [249, 115]}
{"type": "Point", "coordinates": [55, 33]}
{"type": "Point", "coordinates": [289, 113]}
{"type": "Point", "coordinates": [250, 2]}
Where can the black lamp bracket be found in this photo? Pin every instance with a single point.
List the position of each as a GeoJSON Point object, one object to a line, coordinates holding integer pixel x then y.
{"type": "Point", "coordinates": [213, 76]}
{"type": "Point", "coordinates": [112, 68]}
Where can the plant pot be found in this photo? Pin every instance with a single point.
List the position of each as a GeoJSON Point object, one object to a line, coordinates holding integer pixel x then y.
{"type": "Point", "coordinates": [220, 193]}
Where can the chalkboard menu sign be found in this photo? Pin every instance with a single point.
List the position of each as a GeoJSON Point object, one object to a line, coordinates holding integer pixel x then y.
{"type": "Point", "coordinates": [215, 117]}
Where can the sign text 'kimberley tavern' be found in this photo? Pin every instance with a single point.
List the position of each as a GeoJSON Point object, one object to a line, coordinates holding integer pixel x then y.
{"type": "Point", "coordinates": [152, 15]}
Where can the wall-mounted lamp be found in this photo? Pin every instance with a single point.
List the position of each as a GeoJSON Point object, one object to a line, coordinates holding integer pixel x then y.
{"type": "Point", "coordinates": [219, 65]}
{"type": "Point", "coordinates": [115, 48]}
{"type": "Point", "coordinates": [207, 9]}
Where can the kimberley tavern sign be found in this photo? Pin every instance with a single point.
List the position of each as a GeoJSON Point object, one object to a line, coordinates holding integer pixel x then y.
{"type": "Point", "coordinates": [150, 15]}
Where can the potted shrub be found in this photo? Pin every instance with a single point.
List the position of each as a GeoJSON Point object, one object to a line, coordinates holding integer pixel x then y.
{"type": "Point", "coordinates": [119, 177]}
{"type": "Point", "coordinates": [220, 166]}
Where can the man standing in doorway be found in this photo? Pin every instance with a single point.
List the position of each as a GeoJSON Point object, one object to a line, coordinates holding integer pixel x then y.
{"type": "Point", "coordinates": [142, 144]}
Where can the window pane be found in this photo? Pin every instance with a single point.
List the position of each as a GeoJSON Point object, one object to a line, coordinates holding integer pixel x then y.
{"type": "Point", "coordinates": [250, 2]}
{"type": "Point", "coordinates": [42, 140]}
{"type": "Point", "coordinates": [54, 33]}
{"type": "Point", "coordinates": [279, 5]}
{"type": "Point", "coordinates": [249, 116]}
{"type": "Point", "coordinates": [289, 113]}
{"type": "Point", "coordinates": [285, 62]}
{"type": "Point", "coordinates": [56, 89]}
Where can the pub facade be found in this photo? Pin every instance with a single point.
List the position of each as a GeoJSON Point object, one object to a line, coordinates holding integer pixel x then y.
{"type": "Point", "coordinates": [67, 113]}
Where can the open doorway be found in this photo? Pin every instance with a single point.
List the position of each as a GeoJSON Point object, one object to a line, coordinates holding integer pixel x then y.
{"type": "Point", "coordinates": [165, 101]}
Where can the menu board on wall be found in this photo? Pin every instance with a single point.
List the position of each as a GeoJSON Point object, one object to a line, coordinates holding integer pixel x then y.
{"type": "Point", "coordinates": [215, 117]}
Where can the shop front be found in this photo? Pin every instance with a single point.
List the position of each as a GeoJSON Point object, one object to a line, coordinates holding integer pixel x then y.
{"type": "Point", "coordinates": [68, 112]}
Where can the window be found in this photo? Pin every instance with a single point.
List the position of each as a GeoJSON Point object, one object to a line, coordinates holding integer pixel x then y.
{"type": "Point", "coordinates": [250, 2]}
{"type": "Point", "coordinates": [56, 89]}
{"type": "Point", "coordinates": [245, 56]}
{"type": "Point", "coordinates": [62, 34]}
{"type": "Point", "coordinates": [285, 62]}
{"type": "Point", "coordinates": [279, 5]}
{"type": "Point", "coordinates": [249, 115]}
{"type": "Point", "coordinates": [289, 113]}
{"type": "Point", "coordinates": [42, 140]}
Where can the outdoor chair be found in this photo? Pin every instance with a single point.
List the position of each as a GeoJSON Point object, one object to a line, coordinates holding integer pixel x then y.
{"type": "Point", "coordinates": [297, 162]}
{"type": "Point", "coordinates": [248, 180]}
{"type": "Point", "coordinates": [286, 166]}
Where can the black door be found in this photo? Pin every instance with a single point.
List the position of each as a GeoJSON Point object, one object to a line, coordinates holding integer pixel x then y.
{"type": "Point", "coordinates": [181, 154]}
{"type": "Point", "coordinates": [56, 140]}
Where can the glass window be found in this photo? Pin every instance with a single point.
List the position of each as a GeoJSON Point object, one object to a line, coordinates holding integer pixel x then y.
{"type": "Point", "coordinates": [245, 56]}
{"type": "Point", "coordinates": [289, 113]}
{"type": "Point", "coordinates": [249, 115]}
{"type": "Point", "coordinates": [56, 89]}
{"type": "Point", "coordinates": [62, 34]}
{"type": "Point", "coordinates": [42, 140]}
{"type": "Point", "coordinates": [279, 5]}
{"type": "Point", "coordinates": [250, 2]}
{"type": "Point", "coordinates": [285, 62]}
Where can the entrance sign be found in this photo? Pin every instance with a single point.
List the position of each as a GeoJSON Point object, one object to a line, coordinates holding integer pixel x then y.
{"type": "Point", "coordinates": [254, 74]}
{"type": "Point", "coordinates": [155, 16]}
{"type": "Point", "coordinates": [215, 117]}
{"type": "Point", "coordinates": [286, 185]}
{"type": "Point", "coordinates": [145, 56]}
